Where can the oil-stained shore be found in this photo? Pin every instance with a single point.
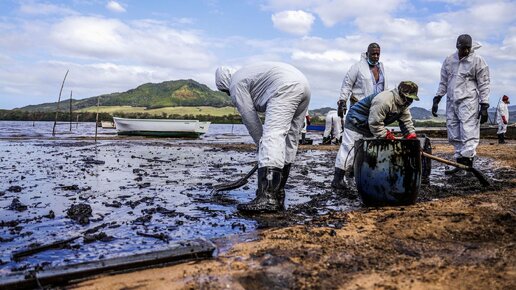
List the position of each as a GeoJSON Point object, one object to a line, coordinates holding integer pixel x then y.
{"type": "Point", "coordinates": [457, 236]}
{"type": "Point", "coordinates": [138, 194]}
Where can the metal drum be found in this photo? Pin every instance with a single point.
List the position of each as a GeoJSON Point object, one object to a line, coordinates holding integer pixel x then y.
{"type": "Point", "coordinates": [387, 172]}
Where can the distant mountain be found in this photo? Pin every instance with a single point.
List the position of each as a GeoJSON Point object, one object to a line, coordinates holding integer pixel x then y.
{"type": "Point", "coordinates": [417, 113]}
{"type": "Point", "coordinates": [420, 113]}
{"type": "Point", "coordinates": [151, 95]}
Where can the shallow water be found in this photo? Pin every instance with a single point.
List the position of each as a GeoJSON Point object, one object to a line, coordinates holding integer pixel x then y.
{"type": "Point", "coordinates": [135, 187]}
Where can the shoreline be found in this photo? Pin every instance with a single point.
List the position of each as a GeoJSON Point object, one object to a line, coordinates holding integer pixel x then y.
{"type": "Point", "coordinates": [458, 241]}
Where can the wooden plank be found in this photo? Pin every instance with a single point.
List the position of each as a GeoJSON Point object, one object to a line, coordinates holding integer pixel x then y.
{"type": "Point", "coordinates": [177, 252]}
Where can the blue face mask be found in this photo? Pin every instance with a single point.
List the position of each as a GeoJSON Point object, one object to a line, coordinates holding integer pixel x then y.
{"type": "Point", "coordinates": [371, 63]}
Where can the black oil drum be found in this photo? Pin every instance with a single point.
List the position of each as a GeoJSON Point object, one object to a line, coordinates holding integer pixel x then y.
{"type": "Point", "coordinates": [387, 172]}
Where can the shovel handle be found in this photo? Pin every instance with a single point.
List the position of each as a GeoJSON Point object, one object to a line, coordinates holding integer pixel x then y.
{"type": "Point", "coordinates": [462, 166]}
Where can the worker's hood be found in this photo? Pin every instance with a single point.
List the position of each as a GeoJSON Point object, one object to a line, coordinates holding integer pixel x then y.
{"type": "Point", "coordinates": [223, 77]}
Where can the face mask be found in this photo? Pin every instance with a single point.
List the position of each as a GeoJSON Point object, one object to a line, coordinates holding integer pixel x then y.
{"type": "Point", "coordinates": [371, 63]}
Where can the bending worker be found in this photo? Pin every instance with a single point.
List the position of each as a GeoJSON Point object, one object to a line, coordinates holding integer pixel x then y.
{"type": "Point", "coordinates": [368, 118]}
{"type": "Point", "coordinates": [332, 128]}
{"type": "Point", "coordinates": [465, 82]}
{"type": "Point", "coordinates": [364, 78]}
{"type": "Point", "coordinates": [283, 93]}
{"type": "Point", "coordinates": [502, 118]}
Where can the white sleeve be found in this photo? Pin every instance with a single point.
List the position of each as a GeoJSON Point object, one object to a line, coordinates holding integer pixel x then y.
{"type": "Point", "coordinates": [348, 83]}
{"type": "Point", "coordinates": [245, 106]}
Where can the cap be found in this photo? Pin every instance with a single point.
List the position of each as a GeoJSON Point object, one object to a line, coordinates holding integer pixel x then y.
{"type": "Point", "coordinates": [464, 40]}
{"type": "Point", "coordinates": [408, 89]}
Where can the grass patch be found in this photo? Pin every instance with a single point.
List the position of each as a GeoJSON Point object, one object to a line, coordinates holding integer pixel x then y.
{"type": "Point", "coordinates": [212, 111]}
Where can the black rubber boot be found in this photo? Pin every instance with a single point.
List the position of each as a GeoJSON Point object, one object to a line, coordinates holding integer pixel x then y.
{"type": "Point", "coordinates": [284, 177]}
{"type": "Point", "coordinates": [338, 179]}
{"type": "Point", "coordinates": [468, 161]}
{"type": "Point", "coordinates": [266, 200]}
{"type": "Point", "coordinates": [501, 138]}
{"type": "Point", "coordinates": [455, 169]}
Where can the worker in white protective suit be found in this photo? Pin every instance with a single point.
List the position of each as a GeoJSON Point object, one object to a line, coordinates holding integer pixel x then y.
{"type": "Point", "coordinates": [465, 82]}
{"type": "Point", "coordinates": [305, 129]}
{"type": "Point", "coordinates": [369, 118]}
{"type": "Point", "coordinates": [502, 118]}
{"type": "Point", "coordinates": [364, 78]}
{"type": "Point", "coordinates": [332, 128]}
{"type": "Point", "coordinates": [283, 93]}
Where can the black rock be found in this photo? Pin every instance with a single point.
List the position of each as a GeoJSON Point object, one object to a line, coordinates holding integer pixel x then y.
{"type": "Point", "coordinates": [80, 213]}
{"type": "Point", "coordinates": [14, 188]}
{"type": "Point", "coordinates": [17, 205]}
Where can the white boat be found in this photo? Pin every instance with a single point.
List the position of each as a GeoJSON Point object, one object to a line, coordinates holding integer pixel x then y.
{"type": "Point", "coordinates": [160, 127]}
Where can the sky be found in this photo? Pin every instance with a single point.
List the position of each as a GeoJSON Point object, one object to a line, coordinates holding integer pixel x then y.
{"type": "Point", "coordinates": [114, 46]}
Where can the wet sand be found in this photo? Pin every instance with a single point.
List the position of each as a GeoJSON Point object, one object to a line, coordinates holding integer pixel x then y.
{"type": "Point", "coordinates": [457, 236]}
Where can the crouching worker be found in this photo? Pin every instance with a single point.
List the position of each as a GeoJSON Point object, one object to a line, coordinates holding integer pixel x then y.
{"type": "Point", "coordinates": [368, 118]}
{"type": "Point", "coordinates": [283, 93]}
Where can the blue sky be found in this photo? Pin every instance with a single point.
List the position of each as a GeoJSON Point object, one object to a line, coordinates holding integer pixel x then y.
{"type": "Point", "coordinates": [114, 46]}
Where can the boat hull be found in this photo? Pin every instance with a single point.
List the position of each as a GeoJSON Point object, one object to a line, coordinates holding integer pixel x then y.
{"type": "Point", "coordinates": [161, 127]}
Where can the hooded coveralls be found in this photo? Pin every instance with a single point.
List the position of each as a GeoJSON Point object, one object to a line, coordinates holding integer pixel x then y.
{"type": "Point", "coordinates": [359, 80]}
{"type": "Point", "coordinates": [279, 90]}
{"type": "Point", "coordinates": [502, 110]}
{"type": "Point", "coordinates": [333, 125]}
{"type": "Point", "coordinates": [465, 83]}
{"type": "Point", "coordinates": [368, 118]}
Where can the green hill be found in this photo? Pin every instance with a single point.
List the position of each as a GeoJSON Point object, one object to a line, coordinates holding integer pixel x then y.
{"type": "Point", "coordinates": [186, 93]}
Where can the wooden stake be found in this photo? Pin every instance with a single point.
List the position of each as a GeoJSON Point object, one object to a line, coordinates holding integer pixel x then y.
{"type": "Point", "coordinates": [97, 119]}
{"type": "Point", "coordinates": [70, 111]}
{"type": "Point", "coordinates": [58, 101]}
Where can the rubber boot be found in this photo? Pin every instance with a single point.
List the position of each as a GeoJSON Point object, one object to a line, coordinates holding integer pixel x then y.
{"type": "Point", "coordinates": [468, 161]}
{"type": "Point", "coordinates": [338, 179]}
{"type": "Point", "coordinates": [266, 200]}
{"type": "Point", "coordinates": [501, 138]}
{"type": "Point", "coordinates": [455, 169]}
{"type": "Point", "coordinates": [284, 176]}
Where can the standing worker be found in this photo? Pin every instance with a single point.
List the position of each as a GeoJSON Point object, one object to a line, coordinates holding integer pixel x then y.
{"type": "Point", "coordinates": [465, 82]}
{"type": "Point", "coordinates": [306, 123]}
{"type": "Point", "coordinates": [283, 93]}
{"type": "Point", "coordinates": [368, 118]}
{"type": "Point", "coordinates": [502, 118]}
{"type": "Point", "coordinates": [364, 78]}
{"type": "Point", "coordinates": [332, 128]}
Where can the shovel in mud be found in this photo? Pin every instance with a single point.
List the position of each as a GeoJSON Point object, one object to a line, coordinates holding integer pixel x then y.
{"type": "Point", "coordinates": [235, 184]}
{"type": "Point", "coordinates": [479, 175]}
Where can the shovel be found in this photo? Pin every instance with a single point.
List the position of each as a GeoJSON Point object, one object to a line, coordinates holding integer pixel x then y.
{"type": "Point", "coordinates": [479, 175]}
{"type": "Point", "coordinates": [235, 184]}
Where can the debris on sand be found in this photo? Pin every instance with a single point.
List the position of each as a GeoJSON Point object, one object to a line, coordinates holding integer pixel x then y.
{"type": "Point", "coordinates": [17, 205]}
{"type": "Point", "coordinates": [90, 160]}
{"type": "Point", "coordinates": [14, 188]}
{"type": "Point", "coordinates": [103, 237]}
{"type": "Point", "coordinates": [80, 213]}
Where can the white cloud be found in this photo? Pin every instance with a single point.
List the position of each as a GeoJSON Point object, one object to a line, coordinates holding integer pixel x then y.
{"type": "Point", "coordinates": [142, 42]}
{"type": "Point", "coordinates": [115, 7]}
{"type": "Point", "coordinates": [295, 22]}
{"type": "Point", "coordinates": [34, 8]}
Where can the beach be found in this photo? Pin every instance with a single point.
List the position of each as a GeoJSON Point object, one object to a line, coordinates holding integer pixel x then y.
{"type": "Point", "coordinates": [145, 193]}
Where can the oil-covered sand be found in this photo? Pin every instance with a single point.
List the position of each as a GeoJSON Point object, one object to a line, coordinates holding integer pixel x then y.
{"type": "Point", "coordinates": [457, 236]}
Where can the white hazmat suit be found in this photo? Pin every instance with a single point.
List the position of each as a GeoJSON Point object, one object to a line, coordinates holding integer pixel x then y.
{"type": "Point", "coordinates": [333, 125]}
{"type": "Point", "coordinates": [279, 90]}
{"type": "Point", "coordinates": [359, 80]}
{"type": "Point", "coordinates": [465, 83]}
{"type": "Point", "coordinates": [502, 111]}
